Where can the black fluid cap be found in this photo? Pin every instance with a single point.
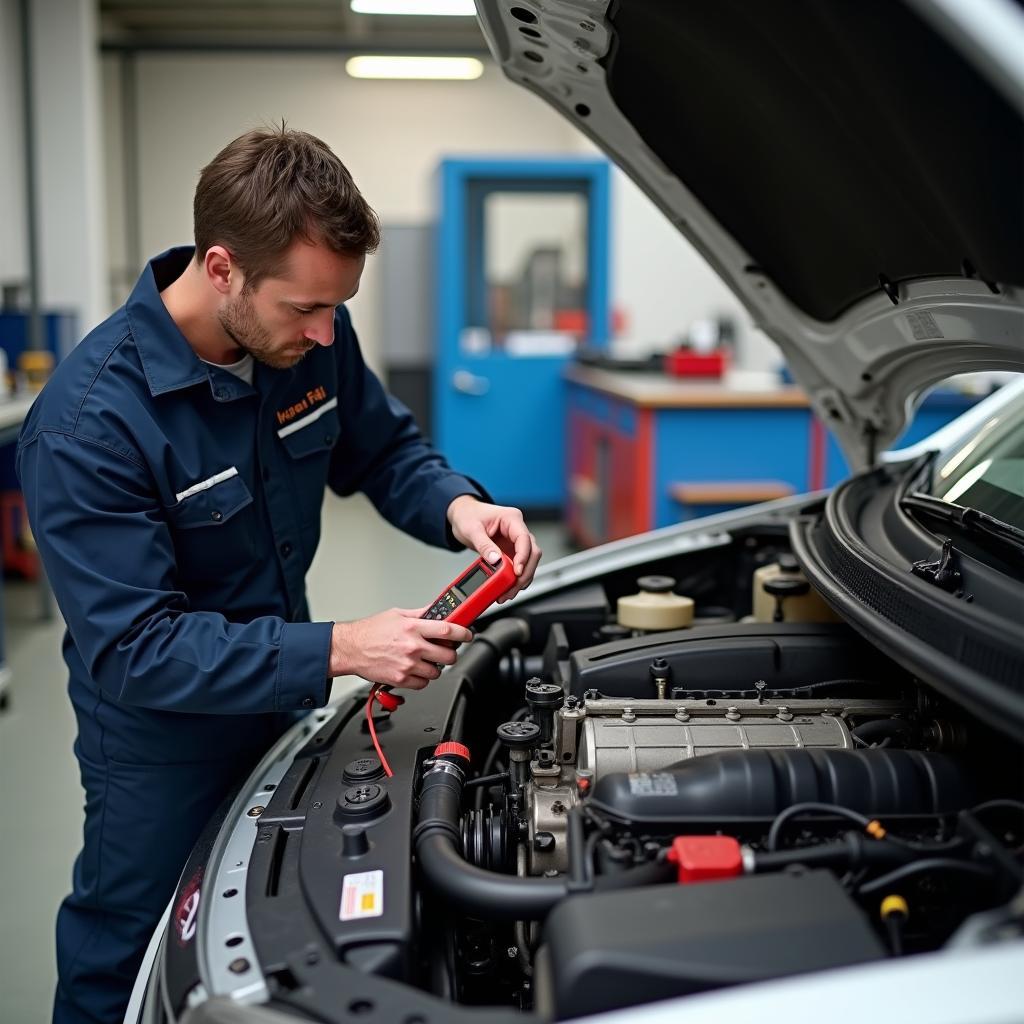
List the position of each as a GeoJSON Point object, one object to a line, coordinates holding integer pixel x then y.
{"type": "Point", "coordinates": [787, 562]}
{"type": "Point", "coordinates": [780, 587]}
{"type": "Point", "coordinates": [354, 842]}
{"type": "Point", "coordinates": [544, 695]}
{"type": "Point", "coordinates": [612, 631]}
{"type": "Point", "coordinates": [362, 800]}
{"type": "Point", "coordinates": [519, 735]}
{"type": "Point", "coordinates": [660, 669]}
{"type": "Point", "coordinates": [656, 584]}
{"type": "Point", "coordinates": [362, 769]}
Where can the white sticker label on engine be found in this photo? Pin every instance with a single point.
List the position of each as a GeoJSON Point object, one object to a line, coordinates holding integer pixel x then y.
{"type": "Point", "coordinates": [652, 784]}
{"type": "Point", "coordinates": [362, 895]}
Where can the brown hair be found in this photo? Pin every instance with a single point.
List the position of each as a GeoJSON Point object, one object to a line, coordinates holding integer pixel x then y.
{"type": "Point", "coordinates": [271, 186]}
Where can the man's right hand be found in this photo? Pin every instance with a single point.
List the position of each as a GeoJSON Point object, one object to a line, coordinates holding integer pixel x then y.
{"type": "Point", "coordinates": [396, 647]}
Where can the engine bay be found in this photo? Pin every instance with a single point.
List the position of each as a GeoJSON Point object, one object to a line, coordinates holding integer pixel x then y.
{"type": "Point", "coordinates": [668, 780]}
{"type": "Point", "coordinates": [839, 805]}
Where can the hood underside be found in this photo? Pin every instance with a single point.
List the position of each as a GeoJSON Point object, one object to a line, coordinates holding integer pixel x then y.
{"type": "Point", "coordinates": [853, 169]}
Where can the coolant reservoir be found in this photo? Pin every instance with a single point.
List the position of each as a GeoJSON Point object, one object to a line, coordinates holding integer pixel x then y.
{"type": "Point", "coordinates": [655, 607]}
{"type": "Point", "coordinates": [782, 586]}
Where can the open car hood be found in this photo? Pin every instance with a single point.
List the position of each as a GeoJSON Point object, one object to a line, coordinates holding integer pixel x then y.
{"type": "Point", "coordinates": [853, 169]}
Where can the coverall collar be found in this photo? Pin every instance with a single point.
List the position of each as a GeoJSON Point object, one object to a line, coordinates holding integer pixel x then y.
{"type": "Point", "coordinates": [169, 361]}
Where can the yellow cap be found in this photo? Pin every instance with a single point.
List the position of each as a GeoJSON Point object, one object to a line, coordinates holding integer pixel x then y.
{"type": "Point", "coordinates": [894, 905]}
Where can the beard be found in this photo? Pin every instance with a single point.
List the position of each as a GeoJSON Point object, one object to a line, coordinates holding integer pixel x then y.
{"type": "Point", "coordinates": [241, 323]}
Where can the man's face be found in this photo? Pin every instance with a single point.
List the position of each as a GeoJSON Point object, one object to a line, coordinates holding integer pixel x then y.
{"type": "Point", "coordinates": [283, 317]}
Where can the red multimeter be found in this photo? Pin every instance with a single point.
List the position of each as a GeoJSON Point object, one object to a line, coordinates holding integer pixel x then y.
{"type": "Point", "coordinates": [473, 591]}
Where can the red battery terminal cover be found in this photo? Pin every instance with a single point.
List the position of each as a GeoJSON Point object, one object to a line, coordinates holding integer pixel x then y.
{"type": "Point", "coordinates": [704, 858]}
{"type": "Point", "coordinates": [452, 749]}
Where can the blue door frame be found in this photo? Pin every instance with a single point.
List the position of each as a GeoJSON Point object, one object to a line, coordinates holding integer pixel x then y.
{"type": "Point", "coordinates": [510, 436]}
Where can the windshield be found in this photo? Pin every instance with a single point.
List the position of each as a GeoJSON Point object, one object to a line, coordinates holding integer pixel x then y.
{"type": "Point", "coordinates": [986, 470]}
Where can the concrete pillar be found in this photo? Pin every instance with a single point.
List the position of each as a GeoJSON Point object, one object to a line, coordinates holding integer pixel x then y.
{"type": "Point", "coordinates": [69, 160]}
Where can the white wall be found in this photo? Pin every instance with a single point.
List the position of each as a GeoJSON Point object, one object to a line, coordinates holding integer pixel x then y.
{"type": "Point", "coordinates": [664, 284]}
{"type": "Point", "coordinates": [13, 254]}
{"type": "Point", "coordinates": [66, 110]}
{"type": "Point", "coordinates": [391, 135]}
{"type": "Point", "coordinates": [120, 277]}
{"type": "Point", "coordinates": [69, 175]}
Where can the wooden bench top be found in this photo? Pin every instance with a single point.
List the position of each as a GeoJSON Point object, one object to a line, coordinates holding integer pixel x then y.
{"type": "Point", "coordinates": [660, 391]}
{"type": "Point", "coordinates": [729, 492]}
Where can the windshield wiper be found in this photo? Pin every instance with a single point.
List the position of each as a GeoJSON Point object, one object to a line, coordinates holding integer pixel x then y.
{"type": "Point", "coordinates": [970, 520]}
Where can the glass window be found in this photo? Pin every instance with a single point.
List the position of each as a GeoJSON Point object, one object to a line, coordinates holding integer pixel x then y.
{"type": "Point", "coordinates": [534, 258]}
{"type": "Point", "coordinates": [986, 471]}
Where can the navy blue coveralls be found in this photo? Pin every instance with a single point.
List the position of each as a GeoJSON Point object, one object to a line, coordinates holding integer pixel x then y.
{"type": "Point", "coordinates": [177, 510]}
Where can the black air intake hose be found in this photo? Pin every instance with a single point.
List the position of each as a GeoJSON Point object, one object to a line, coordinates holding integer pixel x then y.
{"type": "Point", "coordinates": [438, 839]}
{"type": "Point", "coordinates": [479, 663]}
{"type": "Point", "coordinates": [744, 784]}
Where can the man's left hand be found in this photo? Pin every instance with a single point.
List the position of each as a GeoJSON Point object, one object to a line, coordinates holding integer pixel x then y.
{"type": "Point", "coordinates": [485, 528]}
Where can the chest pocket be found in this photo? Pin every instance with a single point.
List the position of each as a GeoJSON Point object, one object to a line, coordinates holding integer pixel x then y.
{"type": "Point", "coordinates": [309, 442]}
{"type": "Point", "coordinates": [214, 529]}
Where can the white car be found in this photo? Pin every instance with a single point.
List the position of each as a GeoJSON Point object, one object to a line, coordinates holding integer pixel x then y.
{"type": "Point", "coordinates": [762, 765]}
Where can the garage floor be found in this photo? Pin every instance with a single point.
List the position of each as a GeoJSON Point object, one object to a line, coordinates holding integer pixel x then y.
{"type": "Point", "coordinates": [38, 775]}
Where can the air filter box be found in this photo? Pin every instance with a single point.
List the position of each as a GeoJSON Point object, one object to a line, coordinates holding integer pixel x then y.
{"type": "Point", "coordinates": [610, 950]}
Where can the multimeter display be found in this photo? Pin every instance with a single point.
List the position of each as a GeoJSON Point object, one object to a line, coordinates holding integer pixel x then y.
{"type": "Point", "coordinates": [471, 581]}
{"type": "Point", "coordinates": [473, 591]}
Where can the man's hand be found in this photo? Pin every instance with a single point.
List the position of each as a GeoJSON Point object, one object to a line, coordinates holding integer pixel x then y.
{"type": "Point", "coordinates": [485, 528]}
{"type": "Point", "coordinates": [395, 647]}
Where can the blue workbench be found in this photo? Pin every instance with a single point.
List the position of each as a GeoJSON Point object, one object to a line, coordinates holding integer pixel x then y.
{"type": "Point", "coordinates": [638, 440]}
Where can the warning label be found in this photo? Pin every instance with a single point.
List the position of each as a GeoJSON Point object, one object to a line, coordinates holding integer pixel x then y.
{"type": "Point", "coordinates": [652, 784]}
{"type": "Point", "coordinates": [923, 326]}
{"type": "Point", "coordinates": [362, 895]}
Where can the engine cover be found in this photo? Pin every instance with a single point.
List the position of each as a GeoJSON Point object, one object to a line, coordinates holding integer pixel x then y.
{"type": "Point", "coordinates": [628, 742]}
{"type": "Point", "coordinates": [648, 735]}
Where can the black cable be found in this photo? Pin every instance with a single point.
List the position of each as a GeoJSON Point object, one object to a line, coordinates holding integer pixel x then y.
{"type": "Point", "coordinates": [1001, 804]}
{"type": "Point", "coordinates": [859, 741]}
{"type": "Point", "coordinates": [457, 723]}
{"type": "Point", "coordinates": [815, 808]}
{"type": "Point", "coordinates": [576, 839]}
{"type": "Point", "coordinates": [592, 840]}
{"type": "Point", "coordinates": [894, 926]}
{"type": "Point", "coordinates": [915, 868]}
{"type": "Point", "coordinates": [484, 780]}
{"type": "Point", "coordinates": [852, 850]}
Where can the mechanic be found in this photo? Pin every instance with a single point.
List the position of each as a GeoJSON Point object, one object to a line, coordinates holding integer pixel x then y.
{"type": "Point", "coordinates": [174, 470]}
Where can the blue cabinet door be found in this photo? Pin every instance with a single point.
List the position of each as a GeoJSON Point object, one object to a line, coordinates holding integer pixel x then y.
{"type": "Point", "coordinates": [513, 303]}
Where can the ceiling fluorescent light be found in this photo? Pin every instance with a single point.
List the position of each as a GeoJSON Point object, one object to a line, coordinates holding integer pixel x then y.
{"type": "Point", "coordinates": [425, 8]}
{"type": "Point", "coordinates": [414, 67]}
